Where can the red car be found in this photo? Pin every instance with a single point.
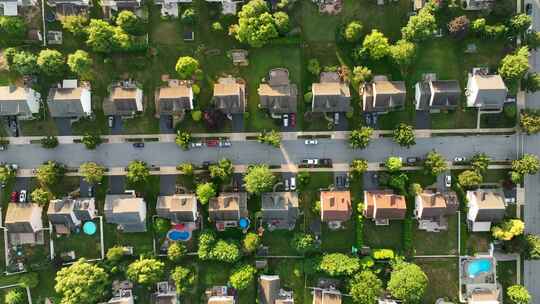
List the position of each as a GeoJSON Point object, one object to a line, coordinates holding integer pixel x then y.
{"type": "Point", "coordinates": [293, 120]}
{"type": "Point", "coordinates": [212, 143]}
{"type": "Point", "coordinates": [14, 196]}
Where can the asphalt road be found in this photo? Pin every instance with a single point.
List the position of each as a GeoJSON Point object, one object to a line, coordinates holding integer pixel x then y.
{"type": "Point", "coordinates": [251, 152]}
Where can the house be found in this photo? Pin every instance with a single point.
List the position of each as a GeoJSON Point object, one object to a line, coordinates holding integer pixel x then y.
{"type": "Point", "coordinates": [335, 207]}
{"type": "Point", "coordinates": [270, 291]}
{"type": "Point", "coordinates": [11, 7]}
{"type": "Point", "coordinates": [476, 5]}
{"type": "Point", "coordinates": [127, 211]}
{"type": "Point", "coordinates": [174, 98]}
{"type": "Point", "coordinates": [326, 296]}
{"type": "Point", "coordinates": [330, 95]}
{"type": "Point", "coordinates": [228, 7]}
{"type": "Point", "coordinates": [23, 223]}
{"type": "Point", "coordinates": [486, 92]}
{"type": "Point", "coordinates": [230, 96]}
{"type": "Point", "coordinates": [220, 295]}
{"type": "Point", "coordinates": [383, 206]}
{"type": "Point", "coordinates": [432, 208]}
{"type": "Point", "coordinates": [436, 95]}
{"type": "Point", "coordinates": [19, 101]}
{"type": "Point", "coordinates": [485, 207]}
{"type": "Point", "coordinates": [280, 209]}
{"type": "Point", "coordinates": [165, 294]}
{"type": "Point", "coordinates": [418, 4]}
{"type": "Point", "coordinates": [125, 99]}
{"type": "Point", "coordinates": [69, 7]}
{"type": "Point", "coordinates": [278, 95]}
{"type": "Point", "coordinates": [71, 99]}
{"type": "Point", "coordinates": [227, 209]}
{"type": "Point", "coordinates": [383, 96]}
{"type": "Point", "coordinates": [178, 208]}
{"type": "Point", "coordinates": [67, 214]}
{"type": "Point", "coordinates": [122, 296]}
{"type": "Point", "coordinates": [119, 5]}
{"type": "Point", "coordinates": [490, 295]}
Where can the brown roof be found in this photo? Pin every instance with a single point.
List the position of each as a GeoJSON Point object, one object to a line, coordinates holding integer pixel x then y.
{"type": "Point", "coordinates": [67, 94]}
{"type": "Point", "coordinates": [174, 92]}
{"type": "Point", "coordinates": [327, 297]}
{"type": "Point", "coordinates": [177, 202]}
{"type": "Point", "coordinates": [221, 300]}
{"type": "Point", "coordinates": [335, 205]}
{"type": "Point", "coordinates": [489, 82]}
{"type": "Point", "coordinates": [228, 206]}
{"type": "Point", "coordinates": [438, 204]}
{"type": "Point", "coordinates": [485, 295]}
{"type": "Point", "coordinates": [327, 88]}
{"type": "Point", "coordinates": [226, 89]}
{"type": "Point", "coordinates": [489, 200]}
{"type": "Point", "coordinates": [383, 204]}
{"type": "Point", "coordinates": [11, 93]}
{"type": "Point", "coordinates": [20, 212]}
{"type": "Point", "coordinates": [121, 93]}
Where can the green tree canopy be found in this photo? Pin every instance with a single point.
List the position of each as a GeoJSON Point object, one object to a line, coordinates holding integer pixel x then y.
{"type": "Point", "coordinates": [25, 63]}
{"type": "Point", "coordinates": [518, 294]}
{"type": "Point", "coordinates": [338, 264]}
{"type": "Point", "coordinates": [242, 277]}
{"type": "Point", "coordinates": [176, 252]}
{"type": "Point", "coordinates": [105, 38]}
{"type": "Point", "coordinates": [49, 142]}
{"type": "Point", "coordinates": [407, 282]}
{"type": "Point", "coordinates": [6, 174]}
{"type": "Point", "coordinates": [403, 52]}
{"type": "Point", "coordinates": [205, 192]}
{"type": "Point", "coordinates": [115, 254]}
{"type": "Point", "coordinates": [222, 170]}
{"type": "Point", "coordinates": [520, 23]}
{"type": "Point", "coordinates": [365, 287]}
{"type": "Point", "coordinates": [480, 162]}
{"type": "Point", "coordinates": [49, 174]}
{"type": "Point", "coordinates": [376, 45]}
{"type": "Point", "coordinates": [272, 138]}
{"type": "Point", "coordinates": [12, 29]}
{"type": "Point", "coordinates": [91, 172]}
{"type": "Point", "coordinates": [183, 279]}
{"type": "Point", "coordinates": [129, 22]}
{"type": "Point", "coordinates": [91, 141]}
{"type": "Point", "coordinates": [51, 62]}
{"type": "Point", "coordinates": [183, 139]}
{"type": "Point", "coordinates": [259, 179]}
{"type": "Point", "coordinates": [404, 135]}
{"type": "Point", "coordinates": [225, 252]}
{"type": "Point", "coordinates": [353, 31]}
{"type": "Point", "coordinates": [146, 271]}
{"type": "Point", "coordinates": [186, 168]}
{"type": "Point", "coordinates": [393, 163]}
{"type": "Point", "coordinates": [282, 22]}
{"type": "Point", "coordinates": [41, 196]}
{"type": "Point", "coordinates": [137, 172]}
{"type": "Point", "coordinates": [361, 75]}
{"type": "Point", "coordinates": [508, 229]}
{"type": "Point", "coordinates": [251, 242]}
{"type": "Point", "coordinates": [421, 26]}
{"type": "Point", "coordinates": [304, 243]}
{"type": "Point", "coordinates": [514, 66]}
{"type": "Point", "coordinates": [15, 296]}
{"type": "Point", "coordinates": [470, 179]}
{"type": "Point", "coordinates": [75, 24]}
{"type": "Point", "coordinates": [435, 163]}
{"type": "Point", "coordinates": [359, 138]}
{"type": "Point", "coordinates": [533, 247]}
{"type": "Point", "coordinates": [80, 63]}
{"type": "Point", "coordinates": [314, 66]}
{"type": "Point", "coordinates": [528, 164]}
{"type": "Point", "coordinates": [358, 167]}
{"type": "Point", "coordinates": [81, 283]}
{"type": "Point", "coordinates": [186, 67]}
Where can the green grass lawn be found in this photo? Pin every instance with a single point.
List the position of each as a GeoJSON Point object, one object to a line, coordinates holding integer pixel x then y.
{"type": "Point", "coordinates": [87, 246]}
{"type": "Point", "coordinates": [506, 274]}
{"type": "Point", "coordinates": [279, 241]}
{"type": "Point", "coordinates": [454, 119]}
{"type": "Point", "coordinates": [291, 273]}
{"type": "Point", "coordinates": [383, 236]}
{"type": "Point", "coordinates": [340, 240]}
{"type": "Point", "coordinates": [442, 277]}
{"type": "Point", "coordinates": [478, 242]}
{"type": "Point", "coordinates": [38, 127]}
{"type": "Point", "coordinates": [436, 243]}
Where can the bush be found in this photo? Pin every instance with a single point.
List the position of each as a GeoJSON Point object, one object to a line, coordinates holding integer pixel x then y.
{"type": "Point", "coordinates": [308, 97]}
{"type": "Point", "coordinates": [360, 228]}
{"type": "Point", "coordinates": [382, 254]}
{"type": "Point", "coordinates": [314, 67]}
{"type": "Point", "coordinates": [196, 115]}
{"type": "Point", "coordinates": [251, 242]}
{"type": "Point", "coordinates": [115, 254]}
{"type": "Point", "coordinates": [162, 225]}
{"type": "Point", "coordinates": [176, 252]}
{"type": "Point", "coordinates": [217, 27]}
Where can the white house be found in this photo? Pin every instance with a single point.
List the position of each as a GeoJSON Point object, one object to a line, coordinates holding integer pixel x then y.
{"type": "Point", "coordinates": [485, 91]}
{"type": "Point", "coordinates": [70, 99]}
{"type": "Point", "coordinates": [19, 101]}
{"type": "Point", "coordinates": [485, 207]}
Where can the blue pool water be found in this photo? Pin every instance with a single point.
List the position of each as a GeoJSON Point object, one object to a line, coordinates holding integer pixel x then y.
{"type": "Point", "coordinates": [89, 228]}
{"type": "Point", "coordinates": [479, 266]}
{"type": "Point", "coordinates": [177, 235]}
{"type": "Point", "coordinates": [243, 223]}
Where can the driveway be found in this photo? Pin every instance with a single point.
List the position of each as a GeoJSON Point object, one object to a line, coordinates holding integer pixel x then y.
{"type": "Point", "coordinates": [340, 180]}
{"type": "Point", "coordinates": [238, 122]}
{"type": "Point", "coordinates": [4, 124]}
{"type": "Point", "coordinates": [85, 188]}
{"type": "Point", "coordinates": [167, 184]}
{"type": "Point", "coordinates": [370, 180]}
{"type": "Point", "coordinates": [117, 184]}
{"type": "Point", "coordinates": [423, 120]}
{"type": "Point", "coordinates": [118, 126]}
{"type": "Point", "coordinates": [343, 123]}
{"type": "Point", "coordinates": [164, 124]}
{"type": "Point", "coordinates": [64, 126]}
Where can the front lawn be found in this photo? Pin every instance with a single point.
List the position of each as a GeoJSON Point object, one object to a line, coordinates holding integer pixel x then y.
{"type": "Point", "coordinates": [507, 274]}
{"type": "Point", "coordinates": [38, 127]}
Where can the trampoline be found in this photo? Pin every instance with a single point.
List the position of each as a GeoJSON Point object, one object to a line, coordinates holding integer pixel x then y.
{"type": "Point", "coordinates": [89, 228]}
{"type": "Point", "coordinates": [178, 235]}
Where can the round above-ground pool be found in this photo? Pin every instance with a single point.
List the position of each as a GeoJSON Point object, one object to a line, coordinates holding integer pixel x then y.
{"type": "Point", "coordinates": [178, 235]}
{"type": "Point", "coordinates": [243, 223]}
{"type": "Point", "coordinates": [89, 228]}
{"type": "Point", "coordinates": [478, 266]}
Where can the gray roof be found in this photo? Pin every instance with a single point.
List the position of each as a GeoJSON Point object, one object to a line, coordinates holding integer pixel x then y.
{"type": "Point", "coordinates": [19, 217]}
{"type": "Point", "coordinates": [13, 101]}
{"type": "Point", "coordinates": [173, 99]}
{"type": "Point", "coordinates": [278, 99]}
{"type": "Point", "coordinates": [384, 95]}
{"type": "Point", "coordinates": [228, 206]}
{"type": "Point", "coordinates": [446, 94]}
{"type": "Point", "coordinates": [123, 209]}
{"type": "Point", "coordinates": [491, 90]}
{"type": "Point", "coordinates": [65, 102]}
{"type": "Point", "coordinates": [331, 97]}
{"type": "Point", "coordinates": [177, 208]}
{"type": "Point", "coordinates": [229, 97]}
{"type": "Point", "coordinates": [280, 206]}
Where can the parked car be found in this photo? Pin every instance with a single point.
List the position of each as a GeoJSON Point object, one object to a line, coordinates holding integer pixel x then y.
{"type": "Point", "coordinates": [528, 9]}
{"type": "Point", "coordinates": [326, 162]}
{"type": "Point", "coordinates": [293, 183]}
{"type": "Point", "coordinates": [510, 200]}
{"type": "Point", "coordinates": [197, 144]}
{"type": "Point", "coordinates": [310, 161]}
{"type": "Point", "coordinates": [293, 120]}
{"type": "Point", "coordinates": [336, 118]}
{"type": "Point", "coordinates": [285, 120]}
{"type": "Point", "coordinates": [138, 145]}
{"type": "Point", "coordinates": [225, 143]}
{"type": "Point", "coordinates": [14, 196]}
{"type": "Point", "coordinates": [212, 143]}
{"type": "Point", "coordinates": [111, 121]}
{"type": "Point", "coordinates": [22, 196]}
{"type": "Point", "coordinates": [459, 159]}
{"type": "Point", "coordinates": [90, 191]}
{"type": "Point", "coordinates": [311, 141]}
{"type": "Point", "coordinates": [448, 181]}
{"type": "Point", "coordinates": [287, 185]}
{"type": "Point", "coordinates": [411, 160]}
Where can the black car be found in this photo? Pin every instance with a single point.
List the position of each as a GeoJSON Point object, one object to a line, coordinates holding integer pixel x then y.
{"type": "Point", "coordinates": [138, 145]}
{"type": "Point", "coordinates": [528, 9]}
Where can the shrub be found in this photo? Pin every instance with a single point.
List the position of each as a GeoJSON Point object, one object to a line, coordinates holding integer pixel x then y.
{"type": "Point", "coordinates": [382, 254]}
{"type": "Point", "coordinates": [115, 254]}
{"type": "Point", "coordinates": [314, 67]}
{"type": "Point", "coordinates": [196, 115]}
{"type": "Point", "coordinates": [308, 97]}
{"type": "Point", "coordinates": [176, 252]}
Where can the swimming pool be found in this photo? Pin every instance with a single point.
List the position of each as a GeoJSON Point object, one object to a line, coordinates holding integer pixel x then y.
{"type": "Point", "coordinates": [476, 267]}
{"type": "Point", "coordinates": [178, 235]}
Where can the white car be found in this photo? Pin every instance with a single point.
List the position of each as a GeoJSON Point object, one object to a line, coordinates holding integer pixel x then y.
{"type": "Point", "coordinates": [311, 141]}
{"type": "Point", "coordinates": [448, 181]}
{"type": "Point", "coordinates": [311, 161]}
{"type": "Point", "coordinates": [293, 183]}
{"type": "Point", "coordinates": [286, 185]}
{"type": "Point", "coordinates": [22, 196]}
{"type": "Point", "coordinates": [111, 121]}
{"type": "Point", "coordinates": [459, 159]}
{"type": "Point", "coordinates": [285, 120]}
{"type": "Point", "coordinates": [197, 144]}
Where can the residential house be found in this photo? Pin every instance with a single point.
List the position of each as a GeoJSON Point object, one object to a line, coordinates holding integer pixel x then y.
{"type": "Point", "coordinates": [335, 207]}
{"type": "Point", "coordinates": [125, 99]}
{"type": "Point", "coordinates": [127, 211]}
{"type": "Point", "coordinates": [23, 223]}
{"type": "Point", "coordinates": [11, 7]}
{"type": "Point", "coordinates": [220, 295]}
{"type": "Point", "coordinates": [437, 95]}
{"type": "Point", "coordinates": [174, 98]}
{"type": "Point", "coordinates": [485, 207]}
{"type": "Point", "coordinates": [228, 7]}
{"type": "Point", "coordinates": [383, 96]}
{"type": "Point", "coordinates": [432, 208]}
{"type": "Point", "coordinates": [165, 294]}
{"type": "Point", "coordinates": [491, 295]}
{"type": "Point", "coordinates": [280, 209]}
{"type": "Point", "coordinates": [67, 214]}
{"type": "Point", "coordinates": [270, 291]}
{"type": "Point", "coordinates": [278, 95]}
{"type": "Point", "coordinates": [71, 99]}
{"type": "Point", "coordinates": [476, 5]}
{"type": "Point", "coordinates": [69, 7]}
{"type": "Point", "coordinates": [484, 91]}
{"type": "Point", "coordinates": [331, 94]}
{"type": "Point", "coordinates": [19, 101]}
{"type": "Point", "coordinates": [110, 6]}
{"type": "Point", "coordinates": [227, 209]}
{"type": "Point", "coordinates": [122, 296]}
{"type": "Point", "coordinates": [230, 96]}
{"type": "Point", "coordinates": [178, 208]}
{"type": "Point", "coordinates": [383, 206]}
{"type": "Point", "coordinates": [326, 296]}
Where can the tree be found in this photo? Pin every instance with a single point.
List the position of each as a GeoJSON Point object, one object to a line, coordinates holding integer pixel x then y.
{"type": "Point", "coordinates": [259, 179]}
{"type": "Point", "coordinates": [80, 63]}
{"type": "Point", "coordinates": [304, 243]}
{"type": "Point", "coordinates": [183, 279]}
{"type": "Point", "coordinates": [470, 179]}
{"type": "Point", "coordinates": [49, 174]}
{"type": "Point", "coordinates": [338, 264]}
{"type": "Point", "coordinates": [282, 22]}
{"type": "Point", "coordinates": [533, 247]}
{"type": "Point", "coordinates": [480, 162]}
{"type": "Point", "coordinates": [186, 169]}
{"type": "Point", "coordinates": [146, 271]}
{"type": "Point", "coordinates": [404, 135]}
{"type": "Point", "coordinates": [221, 171]}
{"type": "Point", "coordinates": [162, 225]}
{"type": "Point", "coordinates": [129, 22]}
{"type": "Point", "coordinates": [403, 52]}
{"type": "Point", "coordinates": [256, 26]}
{"type": "Point", "coordinates": [361, 75]}
{"type": "Point", "coordinates": [14, 296]}
{"type": "Point", "coordinates": [420, 27]}
{"type": "Point", "coordinates": [353, 31]}
{"type": "Point", "coordinates": [303, 179]}
{"type": "Point", "coordinates": [531, 82]}
{"type": "Point", "coordinates": [176, 252]}
{"type": "Point", "coordinates": [137, 172]}
{"type": "Point", "coordinates": [91, 172]}
{"type": "Point", "coordinates": [186, 67]}
{"type": "Point", "coordinates": [415, 189]}
{"type": "Point", "coordinates": [242, 277]}
{"type": "Point", "coordinates": [399, 182]}
{"type": "Point", "coordinates": [520, 23]}
{"type": "Point", "coordinates": [365, 287]}
{"type": "Point", "coordinates": [225, 252]}
{"type": "Point", "coordinates": [115, 254]}
{"type": "Point", "coordinates": [358, 167]}
{"type": "Point", "coordinates": [205, 192]}
{"type": "Point", "coordinates": [359, 138]}
{"type": "Point", "coordinates": [101, 36]}
{"type": "Point", "coordinates": [508, 229]}
{"type": "Point", "coordinates": [6, 174]}
{"type": "Point", "coordinates": [314, 67]}
{"type": "Point", "coordinates": [81, 283]}
{"type": "Point", "coordinates": [251, 242]}
{"type": "Point", "coordinates": [25, 63]}
{"type": "Point", "coordinates": [393, 163]}
{"type": "Point", "coordinates": [529, 121]}
{"type": "Point", "coordinates": [217, 27]}
{"type": "Point", "coordinates": [528, 164]}
{"type": "Point", "coordinates": [75, 24]}
{"type": "Point", "coordinates": [407, 282]}
{"type": "Point", "coordinates": [196, 116]}
{"type": "Point", "coordinates": [12, 29]}
{"type": "Point", "coordinates": [91, 141]}
{"type": "Point", "coordinates": [518, 294]}
{"type": "Point", "coordinates": [435, 163]}
{"type": "Point", "coordinates": [51, 62]}
{"type": "Point", "coordinates": [459, 26]}
{"type": "Point", "coordinates": [49, 142]}
{"type": "Point", "coordinates": [272, 138]}
{"type": "Point", "coordinates": [376, 45]}
{"type": "Point", "coordinates": [188, 16]}
{"type": "Point", "coordinates": [183, 139]}
{"type": "Point", "coordinates": [514, 66]}
{"type": "Point", "coordinates": [41, 196]}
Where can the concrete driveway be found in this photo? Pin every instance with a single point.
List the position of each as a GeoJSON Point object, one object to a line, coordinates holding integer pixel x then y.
{"type": "Point", "coordinates": [117, 184]}
{"type": "Point", "coordinates": [370, 181]}
{"type": "Point", "coordinates": [167, 184]}
{"type": "Point", "coordinates": [238, 122]}
{"type": "Point", "coordinates": [118, 126]}
{"type": "Point", "coordinates": [343, 123]}
{"type": "Point", "coordinates": [422, 120]}
{"type": "Point", "coordinates": [164, 124]}
{"type": "Point", "coordinates": [64, 126]}
{"type": "Point", "coordinates": [84, 188]}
